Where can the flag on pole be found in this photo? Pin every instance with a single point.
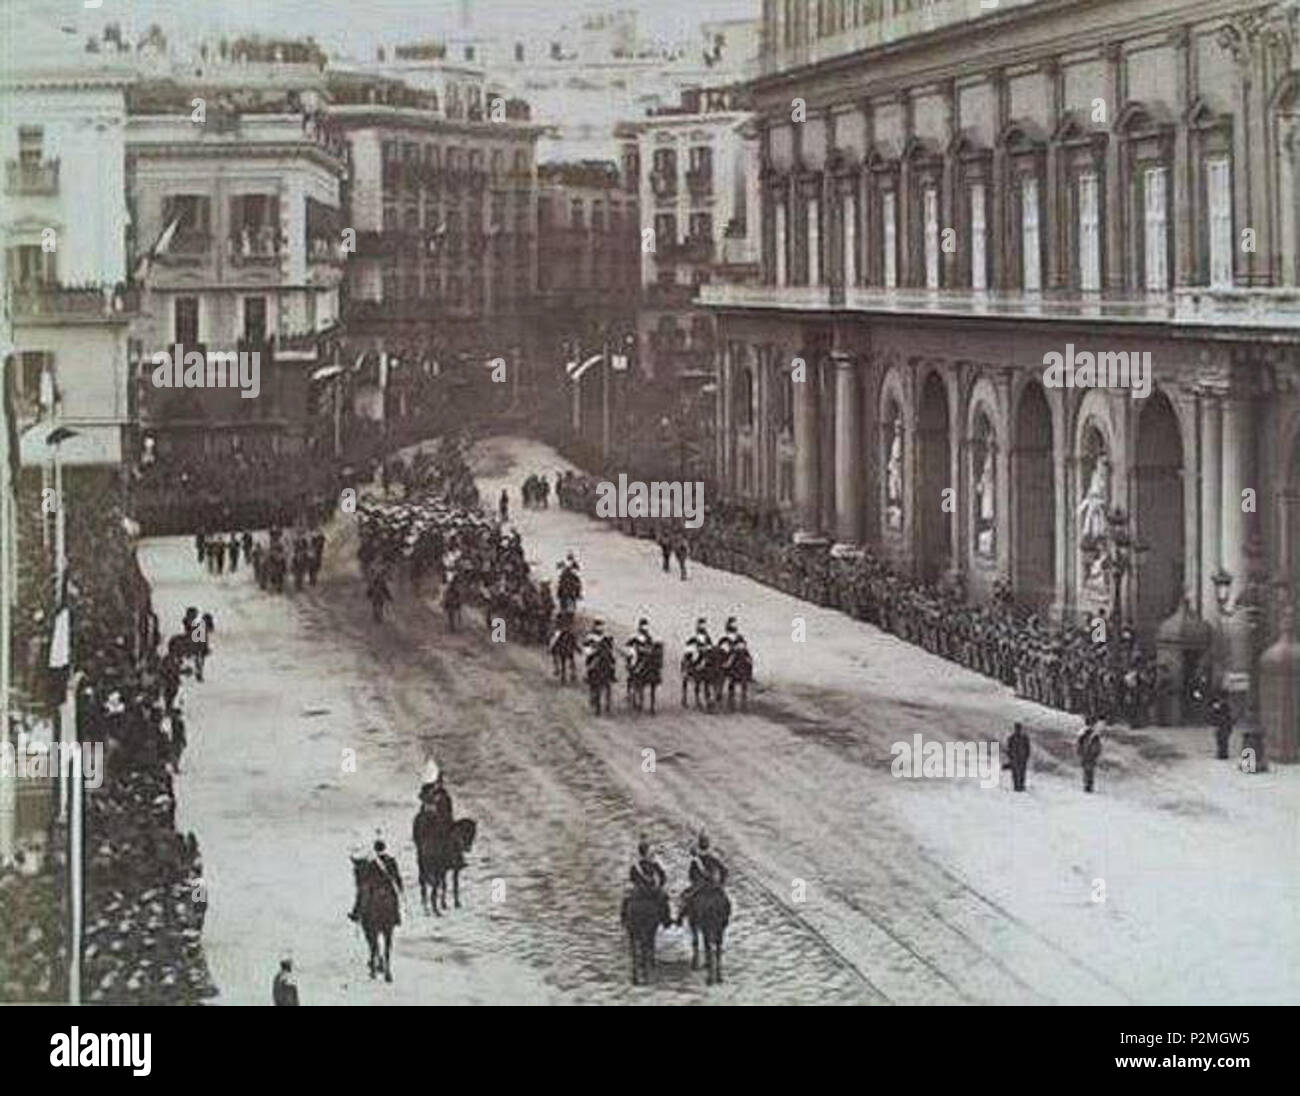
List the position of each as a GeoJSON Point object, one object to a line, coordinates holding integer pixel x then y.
{"type": "Point", "coordinates": [160, 247]}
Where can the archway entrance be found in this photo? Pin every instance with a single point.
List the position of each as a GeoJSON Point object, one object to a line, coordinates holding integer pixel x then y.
{"type": "Point", "coordinates": [1158, 522]}
{"type": "Point", "coordinates": [1034, 484]}
{"type": "Point", "coordinates": [934, 459]}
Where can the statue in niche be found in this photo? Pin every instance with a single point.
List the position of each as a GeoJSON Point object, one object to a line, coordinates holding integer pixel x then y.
{"type": "Point", "coordinates": [894, 475]}
{"type": "Point", "coordinates": [986, 503]}
{"type": "Point", "coordinates": [1094, 523]}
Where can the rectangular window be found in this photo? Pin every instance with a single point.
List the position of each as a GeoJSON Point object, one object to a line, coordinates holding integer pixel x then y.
{"type": "Point", "coordinates": [31, 266]}
{"type": "Point", "coordinates": [890, 230]}
{"type": "Point", "coordinates": [31, 141]}
{"type": "Point", "coordinates": [1089, 235]}
{"type": "Point", "coordinates": [1155, 243]}
{"type": "Point", "coordinates": [931, 208]}
{"type": "Point", "coordinates": [978, 256]}
{"type": "Point", "coordinates": [255, 320]}
{"type": "Point", "coordinates": [187, 321]}
{"type": "Point", "coordinates": [1218, 185]}
{"type": "Point", "coordinates": [576, 215]}
{"type": "Point", "coordinates": [665, 230]}
{"type": "Point", "coordinates": [1031, 249]}
{"type": "Point", "coordinates": [35, 382]}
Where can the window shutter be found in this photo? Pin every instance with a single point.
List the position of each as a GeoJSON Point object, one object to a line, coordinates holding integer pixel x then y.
{"type": "Point", "coordinates": [1155, 249]}
{"type": "Point", "coordinates": [1089, 235]}
{"type": "Point", "coordinates": [890, 242]}
{"type": "Point", "coordinates": [978, 259]}
{"type": "Point", "coordinates": [1031, 257]}
{"type": "Point", "coordinates": [1219, 188]}
{"type": "Point", "coordinates": [931, 238]}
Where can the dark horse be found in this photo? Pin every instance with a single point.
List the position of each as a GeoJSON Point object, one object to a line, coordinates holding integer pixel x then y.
{"type": "Point", "coordinates": [645, 671]}
{"type": "Point", "coordinates": [379, 913]}
{"type": "Point", "coordinates": [600, 675]}
{"type": "Point", "coordinates": [704, 671]}
{"type": "Point", "coordinates": [641, 916]}
{"type": "Point", "coordinates": [739, 671]}
{"type": "Point", "coordinates": [439, 850]}
{"type": "Point", "coordinates": [564, 649]}
{"type": "Point", "coordinates": [708, 912]}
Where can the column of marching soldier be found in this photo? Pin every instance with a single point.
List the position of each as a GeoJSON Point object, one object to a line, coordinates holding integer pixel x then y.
{"type": "Point", "coordinates": [1092, 669]}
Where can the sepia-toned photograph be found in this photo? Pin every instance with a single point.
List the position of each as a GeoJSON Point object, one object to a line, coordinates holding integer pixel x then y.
{"type": "Point", "coordinates": [704, 502]}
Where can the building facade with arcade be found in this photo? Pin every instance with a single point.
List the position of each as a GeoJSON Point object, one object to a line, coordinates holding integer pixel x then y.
{"type": "Point", "coordinates": [970, 213]}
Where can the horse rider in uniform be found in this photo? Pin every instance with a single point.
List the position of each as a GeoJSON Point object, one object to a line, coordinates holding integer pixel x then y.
{"type": "Point", "coordinates": [700, 641]}
{"type": "Point", "coordinates": [647, 876]}
{"type": "Point", "coordinates": [706, 870]}
{"type": "Point", "coordinates": [594, 639]}
{"type": "Point", "coordinates": [641, 640]}
{"type": "Point", "coordinates": [731, 638]}
{"type": "Point", "coordinates": [376, 861]}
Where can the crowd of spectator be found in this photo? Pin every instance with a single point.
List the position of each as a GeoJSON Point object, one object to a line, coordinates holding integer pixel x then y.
{"type": "Point", "coordinates": [144, 898]}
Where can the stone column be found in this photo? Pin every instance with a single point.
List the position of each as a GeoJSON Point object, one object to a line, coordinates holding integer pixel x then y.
{"type": "Point", "coordinates": [848, 450]}
{"type": "Point", "coordinates": [1116, 242]}
{"type": "Point", "coordinates": [1238, 473]}
{"type": "Point", "coordinates": [849, 220]}
{"type": "Point", "coordinates": [782, 254]}
{"type": "Point", "coordinates": [1184, 244]}
{"type": "Point", "coordinates": [814, 237]}
{"type": "Point", "coordinates": [826, 451]}
{"type": "Point", "coordinates": [807, 493]}
{"type": "Point", "coordinates": [1211, 499]}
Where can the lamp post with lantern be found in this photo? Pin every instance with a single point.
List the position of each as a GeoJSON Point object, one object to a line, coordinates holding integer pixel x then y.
{"type": "Point", "coordinates": [1249, 604]}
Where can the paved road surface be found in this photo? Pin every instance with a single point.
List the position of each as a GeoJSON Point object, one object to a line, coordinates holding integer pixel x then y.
{"type": "Point", "coordinates": [850, 885]}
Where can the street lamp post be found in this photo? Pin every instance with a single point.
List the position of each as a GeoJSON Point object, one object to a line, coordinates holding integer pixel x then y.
{"type": "Point", "coordinates": [71, 787]}
{"type": "Point", "coordinates": [1250, 604]}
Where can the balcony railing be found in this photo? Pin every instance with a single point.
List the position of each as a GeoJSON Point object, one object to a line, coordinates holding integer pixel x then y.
{"type": "Point", "coordinates": [693, 249]}
{"type": "Point", "coordinates": [1273, 308]}
{"type": "Point", "coordinates": [261, 247]}
{"type": "Point", "coordinates": [889, 21]}
{"type": "Point", "coordinates": [36, 303]}
{"type": "Point", "coordinates": [31, 179]}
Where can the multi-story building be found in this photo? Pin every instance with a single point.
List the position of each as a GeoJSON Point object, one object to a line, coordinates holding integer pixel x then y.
{"type": "Point", "coordinates": [588, 229]}
{"type": "Point", "coordinates": [442, 197]}
{"type": "Point", "coordinates": [234, 181]}
{"type": "Point", "coordinates": [954, 194]}
{"type": "Point", "coordinates": [695, 170]}
{"type": "Point", "coordinates": [67, 307]}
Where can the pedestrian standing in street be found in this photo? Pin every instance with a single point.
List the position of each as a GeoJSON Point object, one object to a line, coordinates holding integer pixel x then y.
{"type": "Point", "coordinates": [666, 549]}
{"type": "Point", "coordinates": [504, 505]}
{"type": "Point", "coordinates": [683, 550]}
{"type": "Point", "coordinates": [1018, 756]}
{"type": "Point", "coordinates": [284, 990]}
{"type": "Point", "coordinates": [1089, 750]}
{"type": "Point", "coordinates": [1221, 720]}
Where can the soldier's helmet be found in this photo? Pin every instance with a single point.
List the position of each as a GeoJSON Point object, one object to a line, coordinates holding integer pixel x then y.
{"type": "Point", "coordinates": [731, 624]}
{"type": "Point", "coordinates": [703, 842]}
{"type": "Point", "coordinates": [701, 624]}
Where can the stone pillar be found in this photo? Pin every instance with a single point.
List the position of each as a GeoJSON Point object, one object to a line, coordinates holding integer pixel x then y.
{"type": "Point", "coordinates": [849, 477]}
{"type": "Point", "coordinates": [814, 237]}
{"type": "Point", "coordinates": [1116, 241]}
{"type": "Point", "coordinates": [782, 254]}
{"type": "Point", "coordinates": [849, 218]}
{"type": "Point", "coordinates": [807, 493]}
{"type": "Point", "coordinates": [1211, 499]}
{"type": "Point", "coordinates": [1184, 243]}
{"type": "Point", "coordinates": [826, 451]}
{"type": "Point", "coordinates": [1238, 473]}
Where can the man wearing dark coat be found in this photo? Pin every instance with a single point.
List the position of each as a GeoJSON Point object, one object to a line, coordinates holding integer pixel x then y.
{"type": "Point", "coordinates": [1221, 720]}
{"type": "Point", "coordinates": [284, 990]}
{"type": "Point", "coordinates": [648, 876]}
{"type": "Point", "coordinates": [1089, 750]}
{"type": "Point", "coordinates": [1018, 756]}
